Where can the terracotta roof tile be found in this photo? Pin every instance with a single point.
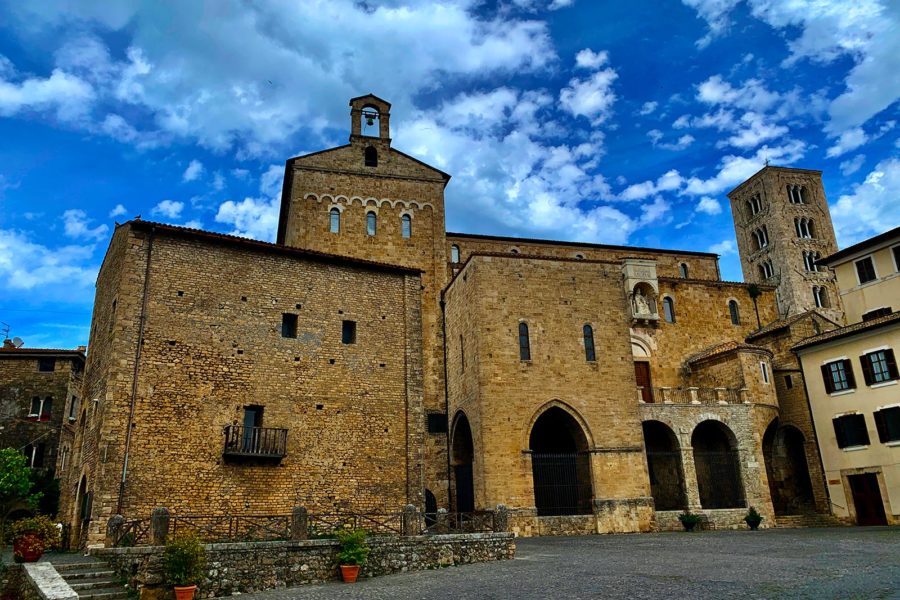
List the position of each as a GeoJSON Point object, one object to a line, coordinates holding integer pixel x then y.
{"type": "Point", "coordinates": [724, 348]}
{"type": "Point", "coordinates": [840, 332]}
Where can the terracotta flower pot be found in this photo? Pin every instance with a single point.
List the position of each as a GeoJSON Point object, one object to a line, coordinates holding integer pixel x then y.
{"type": "Point", "coordinates": [185, 592]}
{"type": "Point", "coordinates": [349, 573]}
{"type": "Point", "coordinates": [28, 548]}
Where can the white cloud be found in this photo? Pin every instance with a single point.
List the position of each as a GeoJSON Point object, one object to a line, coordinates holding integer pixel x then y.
{"type": "Point", "coordinates": [592, 97]}
{"type": "Point", "coordinates": [683, 142]}
{"type": "Point", "coordinates": [56, 272]}
{"type": "Point", "coordinates": [715, 13]}
{"type": "Point", "coordinates": [193, 172]}
{"type": "Point", "coordinates": [848, 140]}
{"type": "Point", "coordinates": [66, 95]}
{"type": "Point", "coordinates": [648, 108]}
{"type": "Point", "coordinates": [723, 248]}
{"type": "Point", "coordinates": [735, 169]}
{"type": "Point", "coordinates": [709, 206]}
{"type": "Point", "coordinates": [872, 208]}
{"type": "Point", "coordinates": [77, 225]}
{"type": "Point", "coordinates": [118, 211]}
{"type": "Point", "coordinates": [851, 166]}
{"type": "Point", "coordinates": [256, 217]}
{"type": "Point", "coordinates": [170, 209]}
{"type": "Point", "coordinates": [218, 183]}
{"type": "Point", "coordinates": [668, 182]}
{"type": "Point", "coordinates": [588, 59]}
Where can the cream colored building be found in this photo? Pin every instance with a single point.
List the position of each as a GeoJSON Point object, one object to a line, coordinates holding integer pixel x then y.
{"type": "Point", "coordinates": [868, 276]}
{"type": "Point", "coordinates": [853, 384]}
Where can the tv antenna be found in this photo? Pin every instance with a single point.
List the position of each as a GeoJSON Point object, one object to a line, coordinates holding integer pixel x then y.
{"type": "Point", "coordinates": [5, 327]}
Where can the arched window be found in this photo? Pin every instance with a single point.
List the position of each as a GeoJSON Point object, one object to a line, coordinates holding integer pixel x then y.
{"type": "Point", "coordinates": [47, 408]}
{"type": "Point", "coordinates": [454, 253]}
{"type": "Point", "coordinates": [406, 226]}
{"type": "Point", "coordinates": [35, 407]}
{"type": "Point", "coordinates": [765, 269]}
{"type": "Point", "coordinates": [801, 195]}
{"type": "Point", "coordinates": [371, 223]}
{"type": "Point", "coordinates": [669, 309]}
{"type": "Point", "coordinates": [524, 342]}
{"type": "Point", "coordinates": [515, 250]}
{"type": "Point", "coordinates": [371, 156]}
{"type": "Point", "coordinates": [334, 220]}
{"type": "Point", "coordinates": [579, 256]}
{"type": "Point", "coordinates": [734, 312]}
{"type": "Point", "coordinates": [589, 354]}
{"type": "Point", "coordinates": [820, 296]}
{"type": "Point", "coordinates": [462, 354]}
{"type": "Point", "coordinates": [796, 194]}
{"type": "Point", "coordinates": [684, 271]}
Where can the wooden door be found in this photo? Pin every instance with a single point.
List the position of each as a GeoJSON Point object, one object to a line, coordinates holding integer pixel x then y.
{"type": "Point", "coordinates": [867, 499]}
{"type": "Point", "coordinates": [642, 377]}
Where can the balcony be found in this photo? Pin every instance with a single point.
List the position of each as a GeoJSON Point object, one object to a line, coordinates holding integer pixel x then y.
{"type": "Point", "coordinates": [692, 395]}
{"type": "Point", "coordinates": [265, 443]}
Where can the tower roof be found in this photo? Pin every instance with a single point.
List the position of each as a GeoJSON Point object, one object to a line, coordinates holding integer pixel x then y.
{"type": "Point", "coordinates": [372, 97]}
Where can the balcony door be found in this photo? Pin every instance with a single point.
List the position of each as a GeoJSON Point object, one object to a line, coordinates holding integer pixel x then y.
{"type": "Point", "coordinates": [252, 421]}
{"type": "Point", "coordinates": [642, 378]}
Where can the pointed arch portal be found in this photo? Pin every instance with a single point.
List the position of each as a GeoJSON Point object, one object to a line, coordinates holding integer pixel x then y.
{"type": "Point", "coordinates": [462, 451]}
{"type": "Point", "coordinates": [561, 465]}
{"type": "Point", "coordinates": [717, 463]}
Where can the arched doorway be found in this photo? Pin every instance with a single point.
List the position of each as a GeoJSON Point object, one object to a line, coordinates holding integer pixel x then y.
{"type": "Point", "coordinates": [462, 451]}
{"type": "Point", "coordinates": [664, 466]}
{"type": "Point", "coordinates": [560, 463]}
{"type": "Point", "coordinates": [717, 464]}
{"type": "Point", "coordinates": [784, 450]}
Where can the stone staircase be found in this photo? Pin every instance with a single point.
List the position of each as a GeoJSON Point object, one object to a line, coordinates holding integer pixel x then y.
{"type": "Point", "coordinates": [92, 579]}
{"type": "Point", "coordinates": [807, 520]}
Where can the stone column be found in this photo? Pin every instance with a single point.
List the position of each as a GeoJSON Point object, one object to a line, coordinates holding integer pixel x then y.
{"type": "Point", "coordinates": [410, 522]}
{"type": "Point", "coordinates": [159, 526]}
{"type": "Point", "coordinates": [694, 398]}
{"type": "Point", "coordinates": [501, 518]}
{"type": "Point", "coordinates": [114, 530]}
{"type": "Point", "coordinates": [665, 394]}
{"type": "Point", "coordinates": [690, 478]}
{"type": "Point", "coordinates": [299, 523]}
{"type": "Point", "coordinates": [442, 522]}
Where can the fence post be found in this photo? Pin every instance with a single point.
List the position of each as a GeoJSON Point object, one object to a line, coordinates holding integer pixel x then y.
{"type": "Point", "coordinates": [501, 518]}
{"type": "Point", "coordinates": [299, 523]}
{"type": "Point", "coordinates": [159, 526]}
{"type": "Point", "coordinates": [114, 530]}
{"type": "Point", "coordinates": [410, 523]}
{"type": "Point", "coordinates": [442, 522]}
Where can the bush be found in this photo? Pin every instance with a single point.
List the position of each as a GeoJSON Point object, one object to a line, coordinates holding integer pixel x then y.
{"type": "Point", "coordinates": [688, 518]}
{"type": "Point", "coordinates": [753, 518]}
{"type": "Point", "coordinates": [354, 550]}
{"type": "Point", "coordinates": [184, 561]}
{"type": "Point", "coordinates": [40, 533]}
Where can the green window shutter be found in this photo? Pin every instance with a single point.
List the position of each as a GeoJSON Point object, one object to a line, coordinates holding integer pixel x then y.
{"type": "Point", "coordinates": [881, 426]}
{"type": "Point", "coordinates": [839, 433]}
{"type": "Point", "coordinates": [848, 369]}
{"type": "Point", "coordinates": [866, 363]}
{"type": "Point", "coordinates": [826, 377]}
{"type": "Point", "coordinates": [891, 362]}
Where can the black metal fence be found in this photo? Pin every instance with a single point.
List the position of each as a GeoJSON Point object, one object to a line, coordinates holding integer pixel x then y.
{"type": "Point", "coordinates": [255, 442]}
{"type": "Point", "coordinates": [719, 479]}
{"type": "Point", "coordinates": [562, 484]}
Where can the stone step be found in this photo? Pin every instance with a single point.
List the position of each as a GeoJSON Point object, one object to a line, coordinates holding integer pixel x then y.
{"type": "Point", "coordinates": [88, 584]}
{"type": "Point", "coordinates": [92, 573]}
{"type": "Point", "coordinates": [111, 593]}
{"type": "Point", "coordinates": [78, 566]}
{"type": "Point", "coordinates": [814, 520]}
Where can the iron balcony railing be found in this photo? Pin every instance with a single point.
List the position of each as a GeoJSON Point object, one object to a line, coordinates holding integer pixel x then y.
{"type": "Point", "coordinates": [255, 442]}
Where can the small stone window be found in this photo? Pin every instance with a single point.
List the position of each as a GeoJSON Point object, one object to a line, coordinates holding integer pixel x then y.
{"type": "Point", "coordinates": [764, 371]}
{"type": "Point", "coordinates": [462, 354]}
{"type": "Point", "coordinates": [371, 157]}
{"type": "Point", "coordinates": [734, 311]}
{"type": "Point", "coordinates": [524, 342]}
{"type": "Point", "coordinates": [454, 253]}
{"type": "Point", "coordinates": [436, 422]}
{"type": "Point", "coordinates": [590, 354]}
{"type": "Point", "coordinates": [684, 270]}
{"type": "Point", "coordinates": [73, 408]}
{"type": "Point", "coordinates": [334, 220]}
{"type": "Point", "coordinates": [406, 226]}
{"type": "Point", "coordinates": [46, 365]}
{"type": "Point", "coordinates": [348, 332]}
{"type": "Point", "coordinates": [288, 325]}
{"type": "Point", "coordinates": [669, 309]}
{"type": "Point", "coordinates": [371, 223]}
{"type": "Point", "coordinates": [850, 431]}
{"type": "Point", "coordinates": [788, 382]}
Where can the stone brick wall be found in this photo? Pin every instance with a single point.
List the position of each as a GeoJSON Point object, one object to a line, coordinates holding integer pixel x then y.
{"type": "Point", "coordinates": [212, 345]}
{"type": "Point", "coordinates": [252, 567]}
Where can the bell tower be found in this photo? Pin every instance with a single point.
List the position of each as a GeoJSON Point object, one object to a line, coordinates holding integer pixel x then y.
{"type": "Point", "coordinates": [783, 228]}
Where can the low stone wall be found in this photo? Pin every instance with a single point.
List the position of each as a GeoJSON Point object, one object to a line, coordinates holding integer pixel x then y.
{"type": "Point", "coordinates": [255, 566]}
{"type": "Point", "coordinates": [35, 581]}
{"type": "Point", "coordinates": [627, 515]}
{"type": "Point", "coordinates": [720, 518]}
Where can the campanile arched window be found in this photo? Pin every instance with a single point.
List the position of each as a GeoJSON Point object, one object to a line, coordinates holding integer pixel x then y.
{"type": "Point", "coordinates": [734, 311]}
{"type": "Point", "coordinates": [684, 270]}
{"type": "Point", "coordinates": [454, 253]}
{"type": "Point", "coordinates": [371, 156]}
{"type": "Point", "coordinates": [524, 342]}
{"type": "Point", "coordinates": [334, 221]}
{"type": "Point", "coordinates": [669, 309]}
{"type": "Point", "coordinates": [590, 354]}
{"type": "Point", "coordinates": [371, 223]}
{"type": "Point", "coordinates": [406, 226]}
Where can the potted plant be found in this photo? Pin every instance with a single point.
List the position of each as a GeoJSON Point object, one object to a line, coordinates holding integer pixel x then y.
{"type": "Point", "coordinates": [753, 518]}
{"type": "Point", "coordinates": [184, 565]}
{"type": "Point", "coordinates": [353, 552]}
{"type": "Point", "coordinates": [688, 520]}
{"type": "Point", "coordinates": [32, 536]}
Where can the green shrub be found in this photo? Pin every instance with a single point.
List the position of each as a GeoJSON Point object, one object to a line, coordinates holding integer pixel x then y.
{"type": "Point", "coordinates": [184, 561]}
{"type": "Point", "coordinates": [354, 550]}
{"type": "Point", "coordinates": [753, 517]}
{"type": "Point", "coordinates": [689, 518]}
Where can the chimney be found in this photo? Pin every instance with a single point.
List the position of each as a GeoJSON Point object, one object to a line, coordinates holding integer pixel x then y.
{"type": "Point", "coordinates": [7, 343]}
{"type": "Point", "coordinates": [81, 349]}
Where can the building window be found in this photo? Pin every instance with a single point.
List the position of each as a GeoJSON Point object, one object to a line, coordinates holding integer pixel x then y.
{"type": "Point", "coordinates": [850, 431]}
{"type": "Point", "coordinates": [788, 381]}
{"type": "Point", "coordinates": [589, 354]}
{"type": "Point", "coordinates": [35, 407]}
{"type": "Point", "coordinates": [876, 313]}
{"type": "Point", "coordinates": [46, 365]}
{"type": "Point", "coordinates": [797, 194]}
{"type": "Point", "coordinates": [764, 370]}
{"type": "Point", "coordinates": [371, 223]}
{"type": "Point", "coordinates": [524, 342]}
{"type": "Point", "coordinates": [838, 376]}
{"type": "Point", "coordinates": [734, 311]}
{"type": "Point", "coordinates": [406, 226]}
{"type": "Point", "coordinates": [73, 408]}
{"type": "Point", "coordinates": [348, 332]}
{"type": "Point", "coordinates": [579, 256]}
{"type": "Point", "coordinates": [879, 366]}
{"type": "Point", "coordinates": [809, 261]}
{"type": "Point", "coordinates": [334, 217]}
{"type": "Point", "coordinates": [436, 422]}
{"type": "Point", "coordinates": [371, 157]}
{"type": "Point", "coordinates": [755, 205]}
{"type": "Point", "coordinates": [669, 309]}
{"type": "Point", "coordinates": [454, 253]}
{"type": "Point", "coordinates": [887, 422]}
{"type": "Point", "coordinates": [288, 325]}
{"type": "Point", "coordinates": [865, 270]}
{"type": "Point", "coordinates": [766, 271]}
{"type": "Point", "coordinates": [41, 408]}
{"type": "Point", "coordinates": [462, 354]}
{"type": "Point", "coordinates": [515, 250]}
{"type": "Point", "coordinates": [896, 251]}
{"type": "Point", "coordinates": [820, 296]}
{"type": "Point", "coordinates": [761, 237]}
{"type": "Point", "coordinates": [684, 270]}
{"type": "Point", "coordinates": [804, 227]}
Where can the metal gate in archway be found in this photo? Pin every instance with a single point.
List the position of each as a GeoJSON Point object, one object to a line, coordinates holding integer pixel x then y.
{"type": "Point", "coordinates": [719, 478]}
{"type": "Point", "coordinates": [562, 483]}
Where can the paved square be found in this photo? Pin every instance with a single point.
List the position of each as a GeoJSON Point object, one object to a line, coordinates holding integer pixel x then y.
{"type": "Point", "coordinates": [787, 563]}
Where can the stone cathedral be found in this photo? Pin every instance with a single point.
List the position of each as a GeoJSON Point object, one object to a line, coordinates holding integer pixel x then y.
{"type": "Point", "coordinates": [369, 359]}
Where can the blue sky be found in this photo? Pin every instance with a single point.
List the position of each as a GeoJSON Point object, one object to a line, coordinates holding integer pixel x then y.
{"type": "Point", "coordinates": [610, 122]}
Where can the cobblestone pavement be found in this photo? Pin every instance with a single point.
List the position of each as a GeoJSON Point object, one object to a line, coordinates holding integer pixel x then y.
{"type": "Point", "coordinates": [786, 563]}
